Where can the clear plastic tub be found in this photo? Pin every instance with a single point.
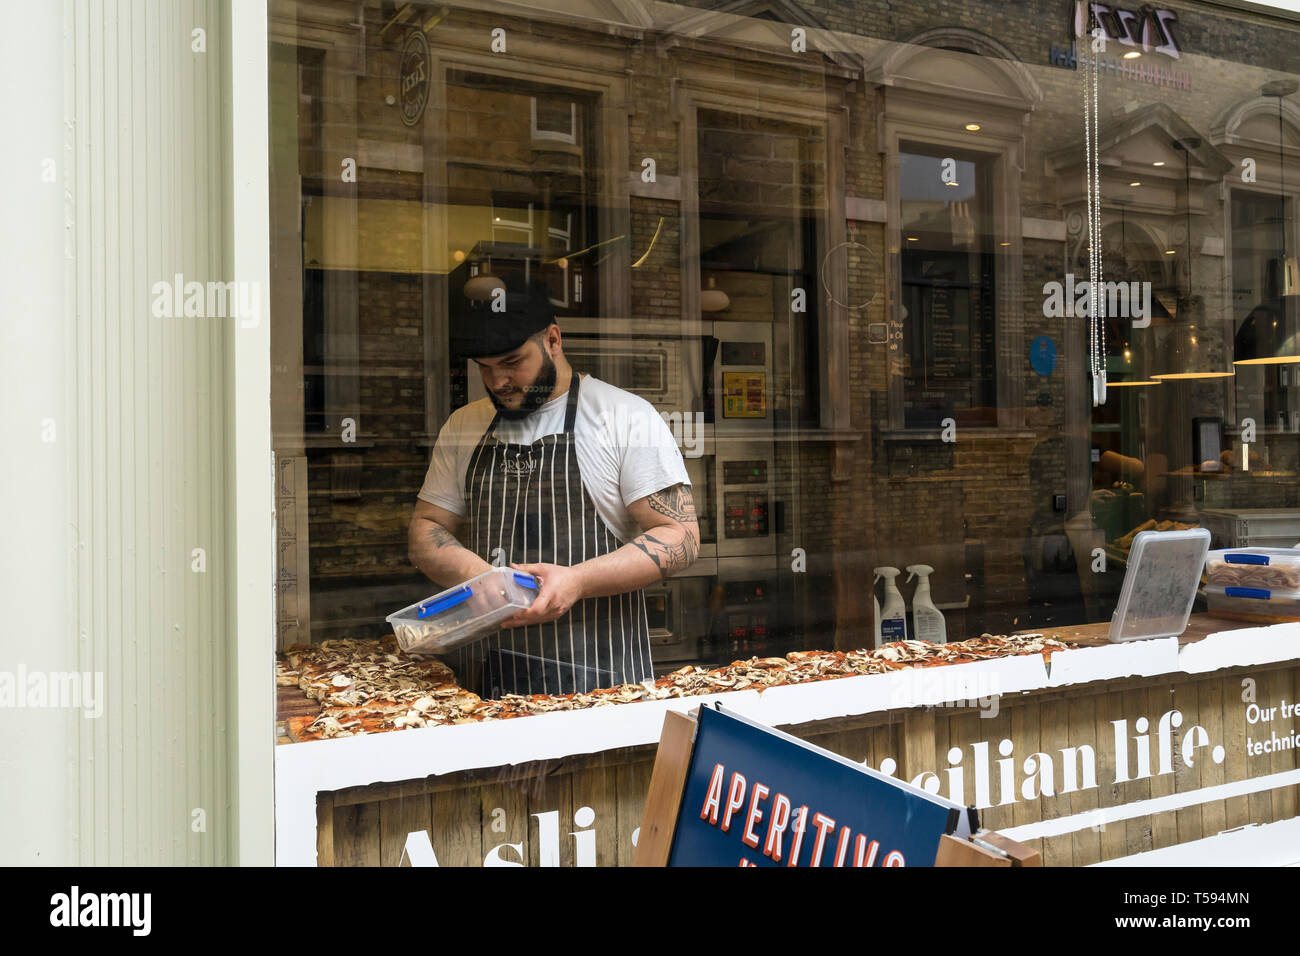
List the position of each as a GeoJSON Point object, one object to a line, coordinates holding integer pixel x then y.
{"type": "Point", "coordinates": [1273, 569]}
{"type": "Point", "coordinates": [1253, 527]}
{"type": "Point", "coordinates": [1160, 582]}
{"type": "Point", "coordinates": [1256, 605]}
{"type": "Point", "coordinates": [463, 614]}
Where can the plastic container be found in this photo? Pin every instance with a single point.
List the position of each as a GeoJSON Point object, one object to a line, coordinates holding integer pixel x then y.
{"type": "Point", "coordinates": [1253, 527]}
{"type": "Point", "coordinates": [463, 614]}
{"type": "Point", "coordinates": [1274, 569]}
{"type": "Point", "coordinates": [1256, 605]}
{"type": "Point", "coordinates": [1160, 582]}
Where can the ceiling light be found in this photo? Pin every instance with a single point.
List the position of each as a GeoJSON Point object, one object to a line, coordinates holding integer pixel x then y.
{"type": "Point", "coordinates": [1169, 252]}
{"type": "Point", "coordinates": [952, 184]}
{"type": "Point", "coordinates": [973, 127]}
{"type": "Point", "coordinates": [482, 287]}
{"type": "Point", "coordinates": [913, 238]}
{"type": "Point", "coordinates": [1135, 183]}
{"type": "Point", "coordinates": [1007, 244]}
{"type": "Point", "coordinates": [1132, 54]}
{"type": "Point", "coordinates": [1158, 163]}
{"type": "Point", "coordinates": [713, 299]}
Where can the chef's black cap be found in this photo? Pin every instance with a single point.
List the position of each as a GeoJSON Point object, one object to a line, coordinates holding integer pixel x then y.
{"type": "Point", "coordinates": [480, 332]}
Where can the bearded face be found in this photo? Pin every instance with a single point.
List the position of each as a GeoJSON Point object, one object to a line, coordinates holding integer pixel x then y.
{"type": "Point", "coordinates": [521, 381]}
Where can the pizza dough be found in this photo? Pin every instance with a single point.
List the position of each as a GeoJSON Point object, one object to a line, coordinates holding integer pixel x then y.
{"type": "Point", "coordinates": [371, 687]}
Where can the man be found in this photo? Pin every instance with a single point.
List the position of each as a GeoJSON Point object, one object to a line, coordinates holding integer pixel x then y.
{"type": "Point", "coordinates": [541, 475]}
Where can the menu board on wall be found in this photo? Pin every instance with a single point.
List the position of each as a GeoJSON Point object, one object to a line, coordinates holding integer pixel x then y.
{"type": "Point", "coordinates": [950, 361]}
{"type": "Point", "coordinates": [946, 332]}
{"type": "Point", "coordinates": [744, 394]}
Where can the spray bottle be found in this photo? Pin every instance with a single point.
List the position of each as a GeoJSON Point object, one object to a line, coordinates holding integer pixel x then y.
{"type": "Point", "coordinates": [926, 618]}
{"type": "Point", "coordinates": [893, 616]}
{"type": "Point", "coordinates": [875, 603]}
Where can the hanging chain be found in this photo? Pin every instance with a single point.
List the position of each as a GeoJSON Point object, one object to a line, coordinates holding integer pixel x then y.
{"type": "Point", "coordinates": [1092, 174]}
{"type": "Point", "coordinates": [1281, 172]}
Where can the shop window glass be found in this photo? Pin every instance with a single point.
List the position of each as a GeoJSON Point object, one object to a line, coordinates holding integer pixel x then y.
{"type": "Point", "coordinates": [761, 196]}
{"type": "Point", "coordinates": [950, 330]}
{"type": "Point", "coordinates": [743, 283]}
{"type": "Point", "coordinates": [1261, 314]}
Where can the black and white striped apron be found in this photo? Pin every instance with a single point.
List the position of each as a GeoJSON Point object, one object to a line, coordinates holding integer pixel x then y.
{"type": "Point", "coordinates": [529, 500]}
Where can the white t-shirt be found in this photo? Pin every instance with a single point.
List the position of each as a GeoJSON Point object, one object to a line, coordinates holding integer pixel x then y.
{"type": "Point", "coordinates": [625, 450]}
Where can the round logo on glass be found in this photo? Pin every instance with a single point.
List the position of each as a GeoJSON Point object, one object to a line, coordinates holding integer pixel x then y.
{"type": "Point", "coordinates": [413, 77]}
{"type": "Point", "coordinates": [1042, 355]}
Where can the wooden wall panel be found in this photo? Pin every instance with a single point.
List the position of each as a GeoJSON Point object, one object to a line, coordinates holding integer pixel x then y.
{"type": "Point", "coordinates": [1054, 735]}
{"type": "Point", "coordinates": [1110, 708]}
{"type": "Point", "coordinates": [597, 789]}
{"type": "Point", "coordinates": [1164, 828]}
{"type": "Point", "coordinates": [503, 819]}
{"type": "Point", "coordinates": [401, 815]}
{"type": "Point", "coordinates": [1209, 702]}
{"type": "Point", "coordinates": [470, 813]}
{"type": "Point", "coordinates": [1187, 821]}
{"type": "Point", "coordinates": [1082, 730]}
{"type": "Point", "coordinates": [1237, 809]}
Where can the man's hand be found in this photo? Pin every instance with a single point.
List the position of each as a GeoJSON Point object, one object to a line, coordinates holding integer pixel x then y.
{"type": "Point", "coordinates": [559, 589]}
{"type": "Point", "coordinates": [669, 543]}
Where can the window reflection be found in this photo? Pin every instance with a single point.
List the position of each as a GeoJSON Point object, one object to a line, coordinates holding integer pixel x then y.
{"type": "Point", "coordinates": [809, 267]}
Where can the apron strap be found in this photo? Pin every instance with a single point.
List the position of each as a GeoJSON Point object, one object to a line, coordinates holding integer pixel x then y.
{"type": "Point", "coordinates": [571, 409]}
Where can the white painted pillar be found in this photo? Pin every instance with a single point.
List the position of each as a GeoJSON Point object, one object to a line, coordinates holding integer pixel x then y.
{"type": "Point", "coordinates": [139, 545]}
{"type": "Point", "coordinates": [37, 746]}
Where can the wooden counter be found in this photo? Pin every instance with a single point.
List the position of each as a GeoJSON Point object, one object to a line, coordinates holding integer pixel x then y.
{"type": "Point", "coordinates": [1113, 751]}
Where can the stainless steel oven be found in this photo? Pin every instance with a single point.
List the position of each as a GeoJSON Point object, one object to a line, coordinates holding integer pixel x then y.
{"type": "Point", "coordinates": [741, 376]}
{"type": "Point", "coordinates": [648, 366]}
{"type": "Point", "coordinates": [743, 490]}
{"type": "Point", "coordinates": [734, 489]}
{"type": "Point", "coordinates": [748, 607]}
{"type": "Point", "coordinates": [700, 471]}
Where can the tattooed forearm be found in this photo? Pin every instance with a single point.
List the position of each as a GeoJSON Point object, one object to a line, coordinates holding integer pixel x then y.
{"type": "Point", "coordinates": [670, 538]}
{"type": "Point", "coordinates": [441, 537]}
{"type": "Point", "coordinates": [671, 549]}
{"type": "Point", "coordinates": [675, 503]}
{"type": "Point", "coordinates": [435, 550]}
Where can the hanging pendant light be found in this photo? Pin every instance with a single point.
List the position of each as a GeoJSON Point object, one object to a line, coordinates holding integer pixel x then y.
{"type": "Point", "coordinates": [1269, 335]}
{"type": "Point", "coordinates": [1124, 362]}
{"type": "Point", "coordinates": [483, 286]}
{"type": "Point", "coordinates": [1190, 352]}
{"type": "Point", "coordinates": [713, 299]}
{"type": "Point", "coordinates": [1288, 273]}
